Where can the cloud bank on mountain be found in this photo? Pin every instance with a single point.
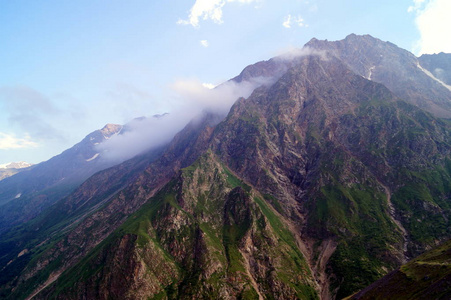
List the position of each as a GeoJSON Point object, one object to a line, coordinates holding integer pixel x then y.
{"type": "Point", "coordinates": [191, 98]}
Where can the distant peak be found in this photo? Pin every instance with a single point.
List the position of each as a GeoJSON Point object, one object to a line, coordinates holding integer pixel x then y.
{"type": "Point", "coordinates": [139, 119]}
{"type": "Point", "coordinates": [354, 36]}
{"type": "Point", "coordinates": [350, 38]}
{"type": "Point", "coordinates": [16, 165]}
{"type": "Point", "coordinates": [110, 129]}
{"type": "Point", "coordinates": [158, 116]}
{"type": "Point", "coordinates": [313, 40]}
{"type": "Point", "coordinates": [351, 41]}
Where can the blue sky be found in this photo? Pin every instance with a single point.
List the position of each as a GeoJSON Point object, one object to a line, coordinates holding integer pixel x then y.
{"type": "Point", "coordinates": [69, 67]}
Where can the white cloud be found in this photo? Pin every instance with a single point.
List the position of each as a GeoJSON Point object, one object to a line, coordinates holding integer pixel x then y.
{"type": "Point", "coordinates": [198, 96]}
{"type": "Point", "coordinates": [191, 99]}
{"type": "Point", "coordinates": [204, 43]}
{"type": "Point", "coordinates": [417, 4]}
{"type": "Point", "coordinates": [243, 1]}
{"type": "Point", "coordinates": [300, 22]}
{"type": "Point", "coordinates": [208, 85]}
{"type": "Point", "coordinates": [208, 10]}
{"type": "Point", "coordinates": [291, 53]}
{"type": "Point", "coordinates": [433, 22]}
{"type": "Point", "coordinates": [205, 9]}
{"type": "Point", "coordinates": [289, 20]}
{"type": "Point", "coordinates": [10, 141]}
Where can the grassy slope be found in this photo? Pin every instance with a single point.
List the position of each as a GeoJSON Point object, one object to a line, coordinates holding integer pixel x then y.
{"type": "Point", "coordinates": [351, 203]}
{"type": "Point", "coordinates": [425, 277]}
{"type": "Point", "coordinates": [184, 218]}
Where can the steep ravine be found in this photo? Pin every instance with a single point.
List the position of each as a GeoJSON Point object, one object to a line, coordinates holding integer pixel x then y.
{"type": "Point", "coordinates": [395, 220]}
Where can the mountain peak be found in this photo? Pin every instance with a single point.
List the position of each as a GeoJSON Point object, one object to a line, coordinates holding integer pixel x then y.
{"type": "Point", "coordinates": [9, 169]}
{"type": "Point", "coordinates": [348, 38]}
{"type": "Point", "coordinates": [354, 36]}
{"type": "Point", "coordinates": [352, 40]}
{"type": "Point", "coordinates": [16, 165]}
{"type": "Point", "coordinates": [398, 69]}
{"type": "Point", "coordinates": [313, 40]}
{"type": "Point", "coordinates": [110, 129]}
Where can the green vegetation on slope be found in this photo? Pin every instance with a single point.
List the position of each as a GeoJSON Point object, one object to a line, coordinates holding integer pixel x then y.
{"type": "Point", "coordinates": [425, 277]}
{"type": "Point", "coordinates": [203, 235]}
{"type": "Point", "coordinates": [357, 215]}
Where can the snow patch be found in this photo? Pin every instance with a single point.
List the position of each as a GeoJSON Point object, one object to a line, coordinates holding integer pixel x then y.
{"type": "Point", "coordinates": [432, 76]}
{"type": "Point", "coordinates": [94, 157]}
{"type": "Point", "coordinates": [15, 165]}
{"type": "Point", "coordinates": [4, 166]}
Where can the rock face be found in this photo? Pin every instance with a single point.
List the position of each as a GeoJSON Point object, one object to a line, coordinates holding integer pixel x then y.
{"type": "Point", "coordinates": [313, 187]}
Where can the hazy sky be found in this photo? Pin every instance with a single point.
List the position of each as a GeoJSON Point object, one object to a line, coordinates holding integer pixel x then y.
{"type": "Point", "coordinates": [69, 67]}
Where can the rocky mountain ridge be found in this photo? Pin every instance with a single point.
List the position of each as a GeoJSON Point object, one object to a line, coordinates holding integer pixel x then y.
{"type": "Point", "coordinates": [9, 169]}
{"type": "Point", "coordinates": [312, 187]}
{"type": "Point", "coordinates": [396, 68]}
{"type": "Point", "coordinates": [24, 195]}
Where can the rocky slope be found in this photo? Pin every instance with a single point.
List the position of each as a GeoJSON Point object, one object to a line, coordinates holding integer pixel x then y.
{"type": "Point", "coordinates": [62, 235]}
{"type": "Point", "coordinates": [313, 187]}
{"type": "Point", "coordinates": [205, 235]}
{"type": "Point", "coordinates": [26, 194]}
{"type": "Point", "coordinates": [339, 154]}
{"type": "Point", "coordinates": [425, 277]}
{"type": "Point", "coordinates": [396, 68]}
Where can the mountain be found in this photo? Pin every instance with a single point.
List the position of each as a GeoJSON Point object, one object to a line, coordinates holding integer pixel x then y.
{"type": "Point", "coordinates": [319, 183]}
{"type": "Point", "coordinates": [396, 68]}
{"type": "Point", "coordinates": [425, 277]}
{"type": "Point", "coordinates": [9, 169]}
{"type": "Point", "coordinates": [347, 162]}
{"type": "Point", "coordinates": [210, 251]}
{"type": "Point", "coordinates": [99, 206]}
{"type": "Point", "coordinates": [26, 194]}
